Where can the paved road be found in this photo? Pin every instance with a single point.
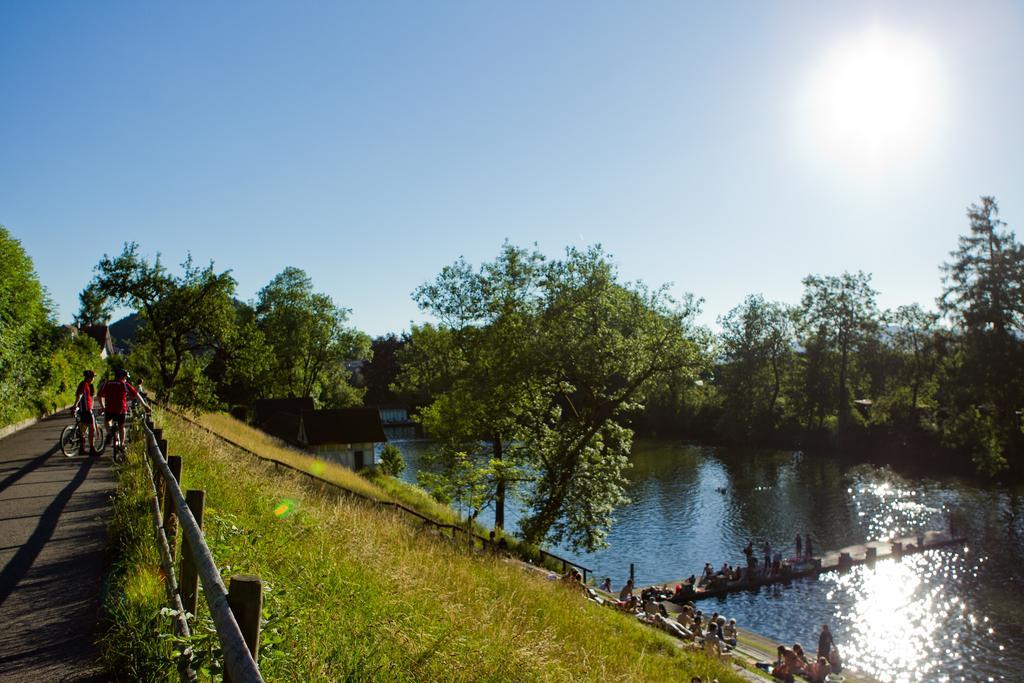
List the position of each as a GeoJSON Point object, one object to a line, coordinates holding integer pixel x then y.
{"type": "Point", "coordinates": [53, 516]}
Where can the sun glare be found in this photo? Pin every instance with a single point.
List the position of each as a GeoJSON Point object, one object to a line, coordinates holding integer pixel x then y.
{"type": "Point", "coordinates": [874, 100]}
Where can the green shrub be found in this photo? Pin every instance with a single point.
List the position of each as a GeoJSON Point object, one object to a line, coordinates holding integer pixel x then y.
{"type": "Point", "coordinates": [391, 461]}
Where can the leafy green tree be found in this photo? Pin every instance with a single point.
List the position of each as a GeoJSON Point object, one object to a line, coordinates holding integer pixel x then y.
{"type": "Point", "coordinates": [391, 461]}
{"type": "Point", "coordinates": [757, 349]}
{"type": "Point", "coordinates": [913, 338]}
{"type": "Point", "coordinates": [310, 340]}
{"type": "Point", "coordinates": [599, 347]}
{"type": "Point", "coordinates": [185, 317]}
{"type": "Point", "coordinates": [984, 283]}
{"type": "Point", "coordinates": [534, 367]}
{"type": "Point", "coordinates": [482, 362]}
{"type": "Point", "coordinates": [983, 297]}
{"type": "Point", "coordinates": [241, 367]}
{"type": "Point", "coordinates": [24, 325]}
{"type": "Point", "coordinates": [94, 307]}
{"type": "Point", "coordinates": [837, 318]}
{"type": "Point", "coordinates": [381, 373]}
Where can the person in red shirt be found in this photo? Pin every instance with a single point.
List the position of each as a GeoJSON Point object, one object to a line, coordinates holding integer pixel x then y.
{"type": "Point", "coordinates": [83, 407]}
{"type": "Point", "coordinates": [114, 396]}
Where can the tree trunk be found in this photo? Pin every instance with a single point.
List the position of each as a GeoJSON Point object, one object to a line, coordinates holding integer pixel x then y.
{"type": "Point", "coordinates": [499, 494]}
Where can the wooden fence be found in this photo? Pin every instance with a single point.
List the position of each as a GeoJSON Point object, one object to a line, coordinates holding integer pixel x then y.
{"type": "Point", "coordinates": [235, 609]}
{"type": "Point", "coordinates": [470, 536]}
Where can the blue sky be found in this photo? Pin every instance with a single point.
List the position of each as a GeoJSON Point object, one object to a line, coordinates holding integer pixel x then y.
{"type": "Point", "coordinates": [373, 144]}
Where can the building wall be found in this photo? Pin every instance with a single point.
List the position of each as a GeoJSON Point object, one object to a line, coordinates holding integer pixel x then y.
{"type": "Point", "coordinates": [345, 453]}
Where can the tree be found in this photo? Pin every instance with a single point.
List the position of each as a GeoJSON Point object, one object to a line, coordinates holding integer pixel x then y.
{"type": "Point", "coordinates": [382, 371]}
{"type": "Point", "coordinates": [184, 317]}
{"type": "Point", "coordinates": [913, 333]}
{"type": "Point", "coordinates": [983, 297]}
{"type": "Point", "coordinates": [480, 362]}
{"type": "Point", "coordinates": [310, 340]}
{"type": "Point", "coordinates": [24, 324]}
{"type": "Point", "coordinates": [984, 284]}
{"type": "Point", "coordinates": [599, 346]}
{"type": "Point", "coordinates": [241, 367]}
{"type": "Point", "coordinates": [391, 461]}
{"type": "Point", "coordinates": [534, 367]}
{"type": "Point", "coordinates": [836, 319]}
{"type": "Point", "coordinates": [757, 348]}
{"type": "Point", "coordinates": [94, 307]}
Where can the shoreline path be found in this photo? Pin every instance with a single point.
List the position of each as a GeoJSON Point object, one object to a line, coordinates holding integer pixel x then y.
{"type": "Point", "coordinates": [54, 512]}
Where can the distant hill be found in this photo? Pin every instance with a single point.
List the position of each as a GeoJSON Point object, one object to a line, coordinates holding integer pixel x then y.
{"type": "Point", "coordinates": [123, 331]}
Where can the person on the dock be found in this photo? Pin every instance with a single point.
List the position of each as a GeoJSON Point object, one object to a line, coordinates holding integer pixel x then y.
{"type": "Point", "coordinates": [825, 642]}
{"type": "Point", "coordinates": [799, 547]}
{"type": "Point", "coordinates": [627, 591]}
{"type": "Point", "coordinates": [807, 547]}
{"type": "Point", "coordinates": [767, 556]}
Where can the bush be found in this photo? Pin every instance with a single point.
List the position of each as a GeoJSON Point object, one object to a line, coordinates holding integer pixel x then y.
{"type": "Point", "coordinates": [391, 461]}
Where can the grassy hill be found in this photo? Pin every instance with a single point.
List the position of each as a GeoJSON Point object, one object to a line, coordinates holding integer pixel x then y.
{"type": "Point", "coordinates": [358, 593]}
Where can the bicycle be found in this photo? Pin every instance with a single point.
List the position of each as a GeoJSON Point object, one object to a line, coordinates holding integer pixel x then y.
{"type": "Point", "coordinates": [73, 437]}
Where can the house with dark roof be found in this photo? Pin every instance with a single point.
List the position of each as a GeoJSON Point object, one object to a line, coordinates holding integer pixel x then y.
{"type": "Point", "coordinates": [347, 436]}
{"type": "Point", "coordinates": [280, 416]}
{"type": "Point", "coordinates": [396, 421]}
{"type": "Point", "coordinates": [101, 334]}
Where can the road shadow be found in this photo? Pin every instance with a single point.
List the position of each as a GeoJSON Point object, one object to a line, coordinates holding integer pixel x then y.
{"type": "Point", "coordinates": [32, 465]}
{"type": "Point", "coordinates": [19, 565]}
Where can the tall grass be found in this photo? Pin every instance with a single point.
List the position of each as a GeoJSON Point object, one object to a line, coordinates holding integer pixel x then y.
{"type": "Point", "coordinates": [355, 592]}
{"type": "Point", "coordinates": [131, 645]}
{"type": "Point", "coordinates": [370, 483]}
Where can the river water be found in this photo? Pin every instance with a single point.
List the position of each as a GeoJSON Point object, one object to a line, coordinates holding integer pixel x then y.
{"type": "Point", "coordinates": [951, 614]}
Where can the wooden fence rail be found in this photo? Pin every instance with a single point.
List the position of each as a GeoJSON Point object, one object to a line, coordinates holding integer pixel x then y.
{"type": "Point", "coordinates": [440, 526]}
{"type": "Point", "coordinates": [239, 650]}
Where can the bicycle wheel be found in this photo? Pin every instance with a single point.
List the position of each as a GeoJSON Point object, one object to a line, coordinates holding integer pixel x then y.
{"type": "Point", "coordinates": [70, 441]}
{"type": "Point", "coordinates": [100, 440]}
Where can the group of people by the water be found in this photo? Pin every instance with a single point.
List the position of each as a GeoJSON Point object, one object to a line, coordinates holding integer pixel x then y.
{"type": "Point", "coordinates": [714, 633]}
{"type": "Point", "coordinates": [793, 661]}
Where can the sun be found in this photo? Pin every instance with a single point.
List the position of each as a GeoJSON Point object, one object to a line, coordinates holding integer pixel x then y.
{"type": "Point", "coordinates": [874, 100]}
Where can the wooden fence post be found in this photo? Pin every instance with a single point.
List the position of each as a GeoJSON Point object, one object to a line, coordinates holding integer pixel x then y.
{"type": "Point", "coordinates": [245, 597]}
{"type": "Point", "coordinates": [170, 517]}
{"type": "Point", "coordinates": [632, 574]}
{"type": "Point", "coordinates": [188, 580]}
{"type": "Point", "coordinates": [158, 433]}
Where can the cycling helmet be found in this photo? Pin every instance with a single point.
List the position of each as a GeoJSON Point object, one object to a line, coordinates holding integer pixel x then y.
{"type": "Point", "coordinates": [89, 374]}
{"type": "Point", "coordinates": [120, 373]}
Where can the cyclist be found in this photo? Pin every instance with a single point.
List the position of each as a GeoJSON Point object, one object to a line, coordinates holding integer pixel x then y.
{"type": "Point", "coordinates": [114, 396]}
{"type": "Point", "coordinates": [83, 408]}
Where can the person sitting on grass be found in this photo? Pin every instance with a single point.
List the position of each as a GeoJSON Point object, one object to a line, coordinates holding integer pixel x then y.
{"type": "Point", "coordinates": [627, 591]}
{"type": "Point", "coordinates": [818, 671]}
{"type": "Point", "coordinates": [801, 658]}
{"type": "Point", "coordinates": [712, 645]}
{"type": "Point", "coordinates": [783, 665]}
{"type": "Point", "coordinates": [730, 633]}
{"type": "Point", "coordinates": [606, 585]}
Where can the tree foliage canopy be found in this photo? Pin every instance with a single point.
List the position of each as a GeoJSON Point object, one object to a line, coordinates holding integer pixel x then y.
{"type": "Point", "coordinates": [536, 365]}
{"type": "Point", "coordinates": [310, 340]}
{"type": "Point", "coordinates": [184, 316]}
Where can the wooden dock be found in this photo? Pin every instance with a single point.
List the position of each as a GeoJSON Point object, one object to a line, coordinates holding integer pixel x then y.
{"type": "Point", "coordinates": [837, 560]}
